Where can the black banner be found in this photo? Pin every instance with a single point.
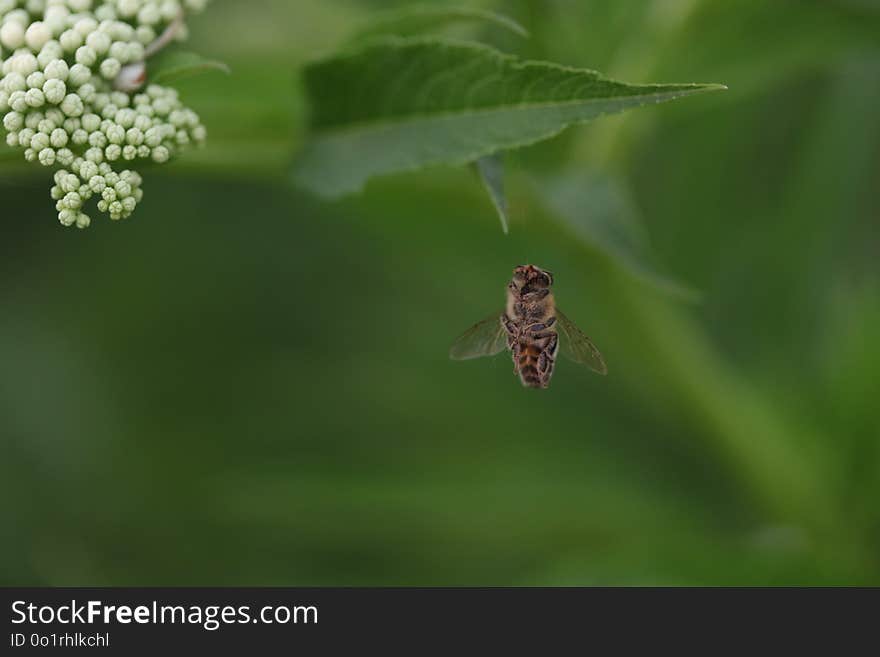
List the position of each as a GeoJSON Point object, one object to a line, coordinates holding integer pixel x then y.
{"type": "Point", "coordinates": [125, 621]}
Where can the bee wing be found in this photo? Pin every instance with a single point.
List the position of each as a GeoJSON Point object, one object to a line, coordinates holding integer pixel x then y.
{"type": "Point", "coordinates": [578, 347]}
{"type": "Point", "coordinates": [485, 338]}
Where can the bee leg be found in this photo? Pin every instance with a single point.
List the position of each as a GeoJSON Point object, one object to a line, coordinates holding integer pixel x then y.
{"type": "Point", "coordinates": [511, 330]}
{"type": "Point", "coordinates": [548, 342]}
{"type": "Point", "coordinates": [516, 352]}
{"type": "Point", "coordinates": [552, 346]}
{"type": "Point", "coordinates": [543, 339]}
{"type": "Point", "coordinates": [540, 327]}
{"type": "Point", "coordinates": [545, 362]}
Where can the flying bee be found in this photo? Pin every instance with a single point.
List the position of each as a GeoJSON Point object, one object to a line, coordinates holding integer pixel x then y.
{"type": "Point", "coordinates": [533, 329]}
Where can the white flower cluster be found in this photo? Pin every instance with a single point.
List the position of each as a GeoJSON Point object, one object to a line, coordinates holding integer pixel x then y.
{"type": "Point", "coordinates": [70, 97]}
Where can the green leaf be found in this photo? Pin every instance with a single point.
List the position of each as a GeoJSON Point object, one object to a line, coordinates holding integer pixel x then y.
{"type": "Point", "coordinates": [166, 68]}
{"type": "Point", "coordinates": [424, 18]}
{"type": "Point", "coordinates": [602, 213]}
{"type": "Point", "coordinates": [403, 104]}
{"type": "Point", "coordinates": [490, 169]}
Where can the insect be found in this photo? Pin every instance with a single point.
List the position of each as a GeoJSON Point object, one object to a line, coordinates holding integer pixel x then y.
{"type": "Point", "coordinates": [533, 329]}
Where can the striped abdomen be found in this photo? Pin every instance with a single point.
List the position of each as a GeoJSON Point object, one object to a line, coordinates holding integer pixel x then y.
{"type": "Point", "coordinates": [533, 362]}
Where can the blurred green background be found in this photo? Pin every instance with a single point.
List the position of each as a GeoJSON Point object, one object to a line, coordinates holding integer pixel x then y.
{"type": "Point", "coordinates": [246, 385]}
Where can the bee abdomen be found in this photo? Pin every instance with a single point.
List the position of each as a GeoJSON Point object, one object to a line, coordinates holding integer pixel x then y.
{"type": "Point", "coordinates": [530, 377]}
{"type": "Point", "coordinates": [535, 367]}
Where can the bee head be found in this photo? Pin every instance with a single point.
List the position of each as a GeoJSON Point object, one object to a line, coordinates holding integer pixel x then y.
{"type": "Point", "coordinates": [531, 276]}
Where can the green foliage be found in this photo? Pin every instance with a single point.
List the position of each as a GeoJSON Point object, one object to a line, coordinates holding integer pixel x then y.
{"type": "Point", "coordinates": [490, 169]}
{"type": "Point", "coordinates": [602, 214]}
{"type": "Point", "coordinates": [406, 103]}
{"type": "Point", "coordinates": [429, 18]}
{"type": "Point", "coordinates": [172, 66]}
